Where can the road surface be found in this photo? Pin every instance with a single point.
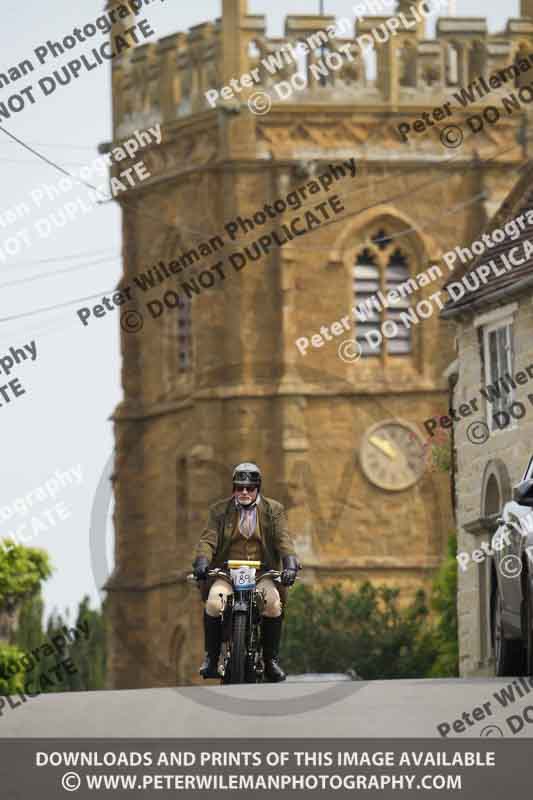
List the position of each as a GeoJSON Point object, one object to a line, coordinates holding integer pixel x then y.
{"type": "Point", "coordinates": [395, 708]}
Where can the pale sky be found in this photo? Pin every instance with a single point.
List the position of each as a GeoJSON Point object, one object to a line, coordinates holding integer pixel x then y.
{"type": "Point", "coordinates": [74, 384]}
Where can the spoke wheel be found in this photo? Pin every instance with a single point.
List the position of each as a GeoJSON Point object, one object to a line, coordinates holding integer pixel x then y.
{"type": "Point", "coordinates": [237, 662]}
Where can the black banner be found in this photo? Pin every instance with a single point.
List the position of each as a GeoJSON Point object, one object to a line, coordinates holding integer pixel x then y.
{"type": "Point", "coordinates": [199, 768]}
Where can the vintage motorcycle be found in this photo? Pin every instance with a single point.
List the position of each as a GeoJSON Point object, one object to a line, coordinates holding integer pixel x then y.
{"type": "Point", "coordinates": [242, 658]}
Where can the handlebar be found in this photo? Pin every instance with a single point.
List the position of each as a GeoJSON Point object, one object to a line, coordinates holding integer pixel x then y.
{"type": "Point", "coordinates": [213, 573]}
{"type": "Point", "coordinates": [233, 564]}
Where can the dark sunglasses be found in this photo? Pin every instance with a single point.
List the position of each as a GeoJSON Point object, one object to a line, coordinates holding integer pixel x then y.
{"type": "Point", "coordinates": [249, 489]}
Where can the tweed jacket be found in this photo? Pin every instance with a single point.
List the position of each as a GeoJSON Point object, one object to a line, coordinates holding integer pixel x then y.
{"type": "Point", "coordinates": [215, 540]}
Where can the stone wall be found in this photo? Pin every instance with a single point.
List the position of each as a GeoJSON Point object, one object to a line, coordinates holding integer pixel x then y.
{"type": "Point", "coordinates": [507, 451]}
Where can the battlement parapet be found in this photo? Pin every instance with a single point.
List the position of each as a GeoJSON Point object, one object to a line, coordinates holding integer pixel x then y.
{"type": "Point", "coordinates": [168, 80]}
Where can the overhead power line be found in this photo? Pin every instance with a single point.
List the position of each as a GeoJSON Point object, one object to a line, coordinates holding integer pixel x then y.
{"type": "Point", "coordinates": [47, 160]}
{"type": "Point", "coordinates": [56, 259]}
{"type": "Point", "coordinates": [29, 161]}
{"type": "Point", "coordinates": [433, 181]}
{"type": "Point", "coordinates": [65, 271]}
{"type": "Point", "coordinates": [62, 146]}
{"type": "Point", "coordinates": [182, 227]}
{"type": "Point", "coordinates": [57, 305]}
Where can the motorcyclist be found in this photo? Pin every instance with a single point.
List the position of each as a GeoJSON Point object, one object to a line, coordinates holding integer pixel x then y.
{"type": "Point", "coordinates": [251, 527]}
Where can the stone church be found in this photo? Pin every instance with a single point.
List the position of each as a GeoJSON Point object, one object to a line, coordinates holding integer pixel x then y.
{"type": "Point", "coordinates": [217, 378]}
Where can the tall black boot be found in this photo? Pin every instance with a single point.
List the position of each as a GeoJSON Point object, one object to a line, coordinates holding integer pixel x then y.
{"type": "Point", "coordinates": [213, 640]}
{"type": "Point", "coordinates": [271, 635]}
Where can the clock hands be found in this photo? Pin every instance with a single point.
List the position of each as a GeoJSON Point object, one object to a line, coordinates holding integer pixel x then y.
{"type": "Point", "coordinates": [385, 447]}
{"type": "Point", "coordinates": [392, 452]}
{"type": "Point", "coordinates": [391, 457]}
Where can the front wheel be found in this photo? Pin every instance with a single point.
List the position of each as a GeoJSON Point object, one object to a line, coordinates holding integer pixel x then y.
{"type": "Point", "coordinates": [238, 656]}
{"type": "Point", "coordinates": [507, 652]}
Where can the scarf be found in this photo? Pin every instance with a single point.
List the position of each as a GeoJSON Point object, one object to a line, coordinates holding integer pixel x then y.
{"type": "Point", "coordinates": [247, 517]}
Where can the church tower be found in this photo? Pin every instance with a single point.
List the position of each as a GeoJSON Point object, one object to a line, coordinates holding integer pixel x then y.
{"type": "Point", "coordinates": [255, 361]}
{"type": "Point", "coordinates": [526, 8]}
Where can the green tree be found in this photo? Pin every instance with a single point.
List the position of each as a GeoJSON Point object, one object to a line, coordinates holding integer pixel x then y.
{"type": "Point", "coordinates": [92, 653]}
{"type": "Point", "coordinates": [444, 602]}
{"type": "Point", "coordinates": [87, 654]}
{"type": "Point", "coordinates": [365, 631]}
{"type": "Point", "coordinates": [29, 630]}
{"type": "Point", "coordinates": [362, 630]}
{"type": "Point", "coordinates": [11, 674]}
{"type": "Point", "coordinates": [22, 571]}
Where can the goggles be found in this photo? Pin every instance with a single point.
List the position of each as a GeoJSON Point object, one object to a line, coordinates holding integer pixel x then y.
{"type": "Point", "coordinates": [246, 478]}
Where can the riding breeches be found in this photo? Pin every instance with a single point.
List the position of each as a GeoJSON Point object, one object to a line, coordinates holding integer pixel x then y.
{"type": "Point", "coordinates": [221, 590]}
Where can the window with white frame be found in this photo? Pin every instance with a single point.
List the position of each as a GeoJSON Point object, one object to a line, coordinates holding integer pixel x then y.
{"type": "Point", "coordinates": [498, 358]}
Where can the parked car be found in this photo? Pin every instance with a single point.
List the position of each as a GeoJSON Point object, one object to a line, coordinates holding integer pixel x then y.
{"type": "Point", "coordinates": [512, 586]}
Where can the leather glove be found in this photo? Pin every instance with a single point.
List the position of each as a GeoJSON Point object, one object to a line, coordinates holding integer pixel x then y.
{"type": "Point", "coordinates": [290, 568]}
{"type": "Point", "coordinates": [199, 567]}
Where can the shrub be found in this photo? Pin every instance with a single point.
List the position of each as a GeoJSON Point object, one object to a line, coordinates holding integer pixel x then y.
{"type": "Point", "coordinates": [363, 630]}
{"type": "Point", "coordinates": [11, 670]}
{"type": "Point", "coordinates": [444, 602]}
{"type": "Point", "coordinates": [440, 453]}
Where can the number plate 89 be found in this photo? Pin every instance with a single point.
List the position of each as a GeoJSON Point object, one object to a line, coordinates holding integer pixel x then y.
{"type": "Point", "coordinates": [243, 578]}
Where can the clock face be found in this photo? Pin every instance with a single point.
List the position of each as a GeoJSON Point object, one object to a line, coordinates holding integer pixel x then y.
{"type": "Point", "coordinates": [393, 455]}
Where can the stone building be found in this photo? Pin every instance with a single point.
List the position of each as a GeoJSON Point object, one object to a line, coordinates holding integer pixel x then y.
{"type": "Point", "coordinates": [218, 378]}
{"type": "Point", "coordinates": [494, 367]}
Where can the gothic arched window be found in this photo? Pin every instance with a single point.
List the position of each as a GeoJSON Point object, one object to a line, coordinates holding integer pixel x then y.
{"type": "Point", "coordinates": [184, 335]}
{"type": "Point", "coordinates": [381, 266]}
{"type": "Point", "coordinates": [177, 347]}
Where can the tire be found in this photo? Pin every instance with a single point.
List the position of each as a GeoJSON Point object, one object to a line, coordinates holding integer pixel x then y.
{"type": "Point", "coordinates": [528, 633]}
{"type": "Point", "coordinates": [508, 653]}
{"type": "Point", "coordinates": [255, 668]}
{"type": "Point", "coordinates": [237, 664]}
